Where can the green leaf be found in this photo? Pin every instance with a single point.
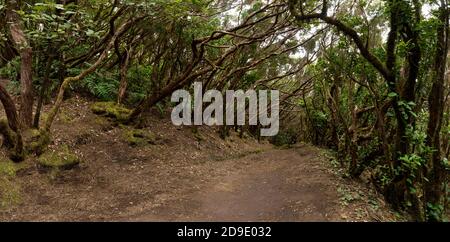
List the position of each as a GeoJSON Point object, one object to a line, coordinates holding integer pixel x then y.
{"type": "Point", "coordinates": [90, 32]}
{"type": "Point", "coordinates": [392, 94]}
{"type": "Point", "coordinates": [69, 12]}
{"type": "Point", "coordinates": [59, 6]}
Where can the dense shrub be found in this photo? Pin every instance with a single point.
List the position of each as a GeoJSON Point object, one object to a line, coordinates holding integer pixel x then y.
{"type": "Point", "coordinates": [284, 137]}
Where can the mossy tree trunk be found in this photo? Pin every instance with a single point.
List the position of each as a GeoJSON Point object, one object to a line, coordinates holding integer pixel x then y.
{"type": "Point", "coordinates": [435, 169]}
{"type": "Point", "coordinates": [15, 138]}
{"type": "Point", "coordinates": [43, 92]}
{"type": "Point", "coordinates": [25, 51]}
{"type": "Point", "coordinates": [124, 64]}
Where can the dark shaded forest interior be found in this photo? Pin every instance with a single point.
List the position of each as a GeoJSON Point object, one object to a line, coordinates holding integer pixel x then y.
{"type": "Point", "coordinates": [87, 130]}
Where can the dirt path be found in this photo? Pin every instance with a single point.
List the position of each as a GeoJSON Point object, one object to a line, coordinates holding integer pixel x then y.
{"type": "Point", "coordinates": [276, 185]}
{"type": "Point", "coordinates": [273, 185]}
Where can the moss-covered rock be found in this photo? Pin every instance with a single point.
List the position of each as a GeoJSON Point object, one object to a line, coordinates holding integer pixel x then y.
{"type": "Point", "coordinates": [139, 137]}
{"type": "Point", "coordinates": [61, 158]}
{"type": "Point", "coordinates": [112, 110]}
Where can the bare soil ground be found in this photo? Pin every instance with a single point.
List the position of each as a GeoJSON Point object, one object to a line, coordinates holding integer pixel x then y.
{"type": "Point", "coordinates": [186, 175]}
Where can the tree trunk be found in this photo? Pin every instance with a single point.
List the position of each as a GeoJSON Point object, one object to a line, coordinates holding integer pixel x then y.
{"type": "Point", "coordinates": [352, 132]}
{"type": "Point", "coordinates": [124, 63]}
{"type": "Point", "coordinates": [334, 95]}
{"type": "Point", "coordinates": [43, 93]}
{"type": "Point", "coordinates": [13, 124]}
{"type": "Point", "coordinates": [435, 170]}
{"type": "Point", "coordinates": [26, 78]}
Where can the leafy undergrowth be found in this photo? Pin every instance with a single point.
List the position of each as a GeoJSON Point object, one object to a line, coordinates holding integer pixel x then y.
{"type": "Point", "coordinates": [358, 198]}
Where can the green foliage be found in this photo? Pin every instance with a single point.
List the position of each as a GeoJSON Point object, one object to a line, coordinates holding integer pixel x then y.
{"type": "Point", "coordinates": [410, 164]}
{"type": "Point", "coordinates": [10, 70]}
{"type": "Point", "coordinates": [139, 80]}
{"type": "Point", "coordinates": [435, 212]}
{"type": "Point", "coordinates": [320, 119]}
{"type": "Point", "coordinates": [407, 109]}
{"type": "Point", "coordinates": [347, 196]}
{"type": "Point", "coordinates": [103, 86]}
{"type": "Point", "coordinates": [285, 138]}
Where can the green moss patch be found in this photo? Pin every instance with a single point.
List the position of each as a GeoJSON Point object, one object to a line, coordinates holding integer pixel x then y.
{"type": "Point", "coordinates": [7, 168]}
{"type": "Point", "coordinates": [9, 190]}
{"type": "Point", "coordinates": [139, 137]}
{"type": "Point", "coordinates": [112, 110]}
{"type": "Point", "coordinates": [65, 117]}
{"type": "Point", "coordinates": [61, 158]}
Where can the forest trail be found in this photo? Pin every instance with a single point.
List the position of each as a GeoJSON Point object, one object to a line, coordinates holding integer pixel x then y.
{"type": "Point", "coordinates": [274, 185]}
{"type": "Point", "coordinates": [185, 174]}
